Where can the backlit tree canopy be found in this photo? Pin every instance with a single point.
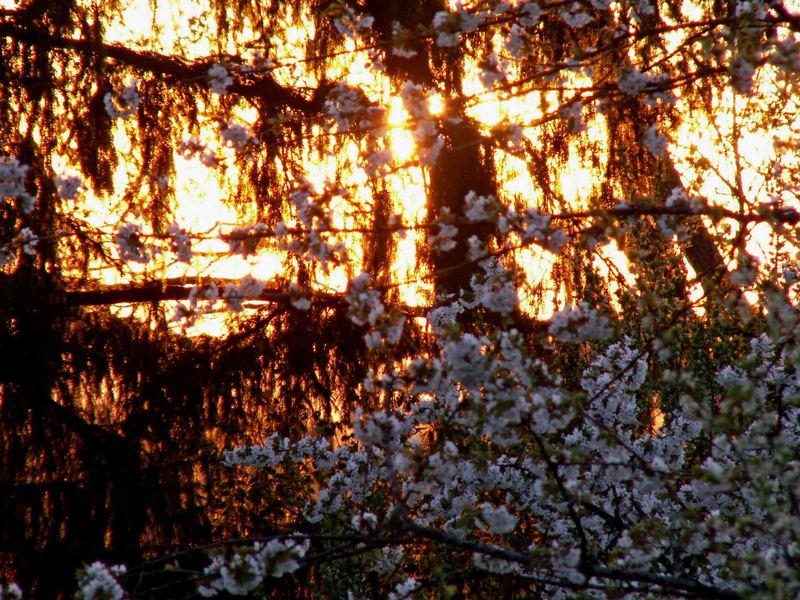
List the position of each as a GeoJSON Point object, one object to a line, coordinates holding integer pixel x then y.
{"type": "Point", "coordinates": [406, 299]}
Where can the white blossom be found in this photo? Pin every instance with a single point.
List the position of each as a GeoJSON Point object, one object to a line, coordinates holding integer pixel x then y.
{"type": "Point", "coordinates": [130, 246]}
{"type": "Point", "coordinates": [579, 323]}
{"type": "Point", "coordinates": [301, 303]}
{"type": "Point", "coordinates": [476, 206]}
{"type": "Point", "coordinates": [195, 148]}
{"type": "Point", "coordinates": [121, 105]}
{"type": "Point", "coordinates": [99, 582]}
{"type": "Point", "coordinates": [28, 240]}
{"type": "Point", "coordinates": [12, 183]}
{"type": "Point", "coordinates": [68, 186]}
{"type": "Point", "coordinates": [492, 71]}
{"type": "Point", "coordinates": [415, 100]}
{"type": "Point", "coordinates": [236, 135]}
{"type": "Point", "coordinates": [574, 16]}
{"type": "Point", "coordinates": [244, 239]}
{"type": "Point", "coordinates": [365, 305]}
{"type": "Point", "coordinates": [377, 163]}
{"type": "Point", "coordinates": [633, 82]}
{"type": "Point", "coordinates": [235, 294]}
{"type": "Point", "coordinates": [754, 9]}
{"type": "Point", "coordinates": [389, 560]}
{"type": "Point", "coordinates": [654, 141]}
{"type": "Point", "coordinates": [403, 52]}
{"type": "Point", "coordinates": [645, 7]}
{"type": "Point", "coordinates": [404, 589]}
{"type": "Point", "coordinates": [742, 72]}
{"type": "Point", "coordinates": [245, 570]}
{"type": "Point", "coordinates": [372, 339]}
{"type": "Point", "coordinates": [536, 227]}
{"type": "Point", "coordinates": [444, 239]}
{"type": "Point", "coordinates": [465, 359]}
{"type": "Point", "coordinates": [530, 13]}
{"type": "Point", "coordinates": [786, 55]}
{"type": "Point", "coordinates": [219, 79]}
{"type": "Point", "coordinates": [573, 113]}
{"type": "Point", "coordinates": [676, 197]}
{"type": "Point", "coordinates": [270, 454]}
{"type": "Point", "coordinates": [498, 566]}
{"type": "Point", "coordinates": [444, 315]}
{"type": "Point", "coordinates": [180, 243]}
{"type": "Point", "coordinates": [515, 43]}
{"type": "Point", "coordinates": [345, 104]}
{"type": "Point", "coordinates": [365, 22]}
{"type": "Point", "coordinates": [449, 37]}
{"type": "Point", "coordinates": [348, 23]}
{"type": "Point", "coordinates": [746, 270]}
{"type": "Point", "coordinates": [10, 592]}
{"type": "Point", "coordinates": [495, 289]}
{"type": "Point", "coordinates": [496, 519]}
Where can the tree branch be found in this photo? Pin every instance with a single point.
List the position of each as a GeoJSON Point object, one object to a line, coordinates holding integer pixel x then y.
{"type": "Point", "coordinates": [259, 85]}
{"type": "Point", "coordinates": [669, 582]}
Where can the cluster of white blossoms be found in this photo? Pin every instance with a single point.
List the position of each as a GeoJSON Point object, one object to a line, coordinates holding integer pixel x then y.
{"type": "Point", "coordinates": [219, 79]}
{"type": "Point", "coordinates": [310, 240]}
{"type": "Point", "coordinates": [479, 208]}
{"type": "Point", "coordinates": [180, 242]}
{"type": "Point", "coordinates": [530, 13]}
{"type": "Point", "coordinates": [450, 26]}
{"type": "Point", "coordinates": [405, 589]}
{"type": "Point", "coordinates": [496, 519]}
{"type": "Point", "coordinates": [574, 324]}
{"type": "Point", "coordinates": [235, 294]}
{"type": "Point", "coordinates": [655, 88]}
{"type": "Point", "coordinates": [68, 186]}
{"type": "Point", "coordinates": [428, 140]}
{"type": "Point", "coordinates": [786, 55]}
{"type": "Point", "coordinates": [244, 239]}
{"type": "Point", "coordinates": [10, 592]}
{"type": "Point", "coordinates": [746, 271]}
{"type": "Point", "coordinates": [28, 241]}
{"type": "Point", "coordinates": [574, 15]}
{"type": "Point", "coordinates": [12, 183]}
{"type": "Point", "coordinates": [25, 240]}
{"type": "Point", "coordinates": [100, 582]}
{"type": "Point", "coordinates": [350, 108]}
{"type": "Point", "coordinates": [376, 164]}
{"type": "Point", "coordinates": [194, 148]}
{"type": "Point", "coordinates": [531, 226]}
{"type": "Point", "coordinates": [199, 302]}
{"type": "Point", "coordinates": [12, 187]}
{"type": "Point", "coordinates": [364, 304]}
{"type": "Point", "coordinates": [122, 104]}
{"type": "Point", "coordinates": [365, 308]}
{"type": "Point", "coordinates": [494, 289]}
{"type": "Point", "coordinates": [130, 245]}
{"type": "Point", "coordinates": [601, 487]}
{"type": "Point", "coordinates": [245, 570]}
{"type": "Point", "coordinates": [236, 135]}
{"type": "Point", "coordinates": [493, 71]}
{"type": "Point", "coordinates": [655, 142]}
{"type": "Point", "coordinates": [444, 238]}
{"type": "Point", "coordinates": [536, 227]}
{"type": "Point", "coordinates": [347, 22]}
